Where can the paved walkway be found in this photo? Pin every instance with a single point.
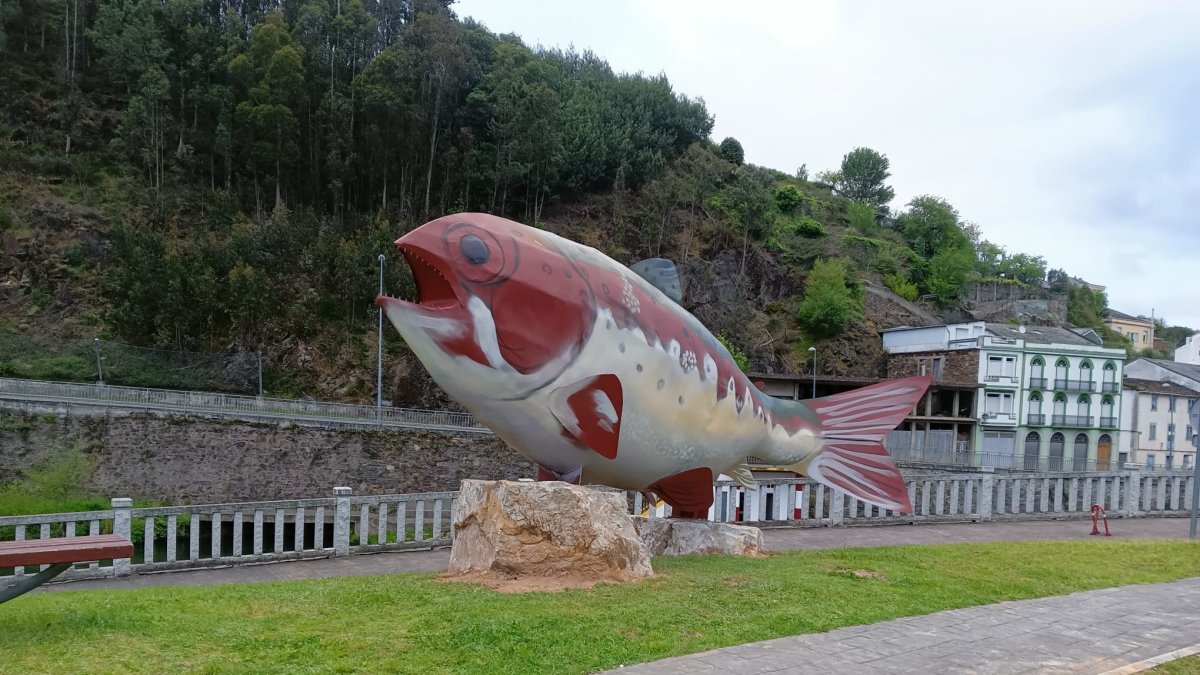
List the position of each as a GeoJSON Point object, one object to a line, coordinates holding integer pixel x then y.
{"type": "Point", "coordinates": [782, 539]}
{"type": "Point", "coordinates": [1089, 632]}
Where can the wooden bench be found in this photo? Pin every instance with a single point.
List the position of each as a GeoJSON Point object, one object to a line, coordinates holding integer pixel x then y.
{"type": "Point", "coordinates": [59, 553]}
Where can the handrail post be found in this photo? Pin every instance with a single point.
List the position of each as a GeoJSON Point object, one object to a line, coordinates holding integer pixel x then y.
{"type": "Point", "coordinates": [341, 521]}
{"type": "Point", "coordinates": [987, 487]}
{"type": "Point", "coordinates": [1133, 488]}
{"type": "Point", "coordinates": [122, 527]}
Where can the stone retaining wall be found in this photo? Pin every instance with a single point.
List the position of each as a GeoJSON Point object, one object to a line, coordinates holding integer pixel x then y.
{"type": "Point", "coordinates": [190, 460]}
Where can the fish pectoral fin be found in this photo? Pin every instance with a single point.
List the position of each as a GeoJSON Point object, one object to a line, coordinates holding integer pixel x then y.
{"type": "Point", "coordinates": [590, 412]}
{"type": "Point", "coordinates": [742, 476]}
{"type": "Point", "coordinates": [661, 274]}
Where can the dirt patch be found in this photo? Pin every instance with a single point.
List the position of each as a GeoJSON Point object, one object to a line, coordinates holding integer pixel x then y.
{"type": "Point", "coordinates": [859, 574]}
{"type": "Point", "coordinates": [503, 583]}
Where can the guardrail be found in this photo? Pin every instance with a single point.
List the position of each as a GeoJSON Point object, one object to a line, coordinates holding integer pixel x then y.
{"type": "Point", "coordinates": [210, 535]}
{"type": "Point", "coordinates": [231, 405]}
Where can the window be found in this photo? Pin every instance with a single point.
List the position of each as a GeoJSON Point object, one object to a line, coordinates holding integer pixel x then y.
{"type": "Point", "coordinates": [1002, 366]}
{"type": "Point", "coordinates": [931, 365]}
{"type": "Point", "coordinates": [1187, 461]}
{"type": "Point", "coordinates": [1170, 404]}
{"type": "Point", "coordinates": [1189, 432]}
{"type": "Point", "coordinates": [1153, 431]}
{"type": "Point", "coordinates": [1084, 406]}
{"type": "Point", "coordinates": [1153, 402]}
{"type": "Point", "coordinates": [1150, 460]}
{"type": "Point", "coordinates": [1035, 404]}
{"type": "Point", "coordinates": [1123, 457]}
{"type": "Point", "coordinates": [998, 403]}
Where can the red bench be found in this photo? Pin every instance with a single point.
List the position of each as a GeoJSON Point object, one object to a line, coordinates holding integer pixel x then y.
{"type": "Point", "coordinates": [59, 553]}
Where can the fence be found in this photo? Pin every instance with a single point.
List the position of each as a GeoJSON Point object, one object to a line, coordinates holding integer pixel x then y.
{"type": "Point", "coordinates": [181, 537]}
{"type": "Point", "coordinates": [232, 405]}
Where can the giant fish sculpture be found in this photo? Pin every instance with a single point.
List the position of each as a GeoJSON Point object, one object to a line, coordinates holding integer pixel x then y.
{"type": "Point", "coordinates": [595, 372]}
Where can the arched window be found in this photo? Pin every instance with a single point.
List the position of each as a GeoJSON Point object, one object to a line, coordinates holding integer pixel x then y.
{"type": "Point", "coordinates": [1033, 450]}
{"type": "Point", "coordinates": [1081, 452]}
{"type": "Point", "coordinates": [1057, 443]}
{"type": "Point", "coordinates": [1036, 408]}
{"type": "Point", "coordinates": [1110, 377]}
{"type": "Point", "coordinates": [1084, 409]}
{"type": "Point", "coordinates": [1037, 373]}
{"type": "Point", "coordinates": [1107, 418]}
{"type": "Point", "coordinates": [1060, 407]}
{"type": "Point", "coordinates": [1085, 374]}
{"type": "Point", "coordinates": [1062, 369]}
{"type": "Point", "coordinates": [1104, 453]}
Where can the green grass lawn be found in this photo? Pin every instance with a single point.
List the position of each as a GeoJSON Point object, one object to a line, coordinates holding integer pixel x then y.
{"type": "Point", "coordinates": [1186, 666]}
{"type": "Point", "coordinates": [414, 623]}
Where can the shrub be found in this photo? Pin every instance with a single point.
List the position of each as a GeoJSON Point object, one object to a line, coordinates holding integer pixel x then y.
{"type": "Point", "coordinates": [901, 286]}
{"type": "Point", "coordinates": [739, 357]}
{"type": "Point", "coordinates": [829, 305]}
{"type": "Point", "coordinates": [810, 229]}
{"type": "Point", "coordinates": [788, 198]}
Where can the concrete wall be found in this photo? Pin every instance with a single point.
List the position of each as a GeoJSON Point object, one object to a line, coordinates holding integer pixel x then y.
{"type": "Point", "coordinates": [1189, 351]}
{"type": "Point", "coordinates": [183, 460]}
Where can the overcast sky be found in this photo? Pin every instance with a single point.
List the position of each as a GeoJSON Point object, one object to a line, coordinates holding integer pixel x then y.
{"type": "Point", "coordinates": [1069, 130]}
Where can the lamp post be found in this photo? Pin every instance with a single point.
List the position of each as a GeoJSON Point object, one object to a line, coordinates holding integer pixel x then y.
{"type": "Point", "coordinates": [1194, 416]}
{"type": "Point", "coordinates": [814, 353]}
{"type": "Point", "coordinates": [379, 353]}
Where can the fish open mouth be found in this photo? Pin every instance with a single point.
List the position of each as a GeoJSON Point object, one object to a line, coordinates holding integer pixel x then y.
{"type": "Point", "coordinates": [433, 288]}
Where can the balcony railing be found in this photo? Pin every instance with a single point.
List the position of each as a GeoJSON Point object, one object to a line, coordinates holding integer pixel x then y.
{"type": "Point", "coordinates": [1073, 420]}
{"type": "Point", "coordinates": [1036, 419]}
{"type": "Point", "coordinates": [999, 418]}
{"type": "Point", "coordinates": [1074, 385]}
{"type": "Point", "coordinates": [1002, 379]}
{"type": "Point", "coordinates": [1111, 387]}
{"type": "Point", "coordinates": [1037, 383]}
{"type": "Point", "coordinates": [1108, 422]}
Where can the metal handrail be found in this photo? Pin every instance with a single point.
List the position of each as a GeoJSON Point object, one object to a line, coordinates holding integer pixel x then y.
{"type": "Point", "coordinates": [233, 404]}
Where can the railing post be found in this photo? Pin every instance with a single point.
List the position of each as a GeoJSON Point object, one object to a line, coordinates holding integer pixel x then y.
{"type": "Point", "coordinates": [837, 501]}
{"type": "Point", "coordinates": [1133, 489]}
{"type": "Point", "coordinates": [122, 527]}
{"type": "Point", "coordinates": [341, 521]}
{"type": "Point", "coordinates": [987, 487]}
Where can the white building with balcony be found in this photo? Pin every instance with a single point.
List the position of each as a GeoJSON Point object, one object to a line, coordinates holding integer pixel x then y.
{"type": "Point", "coordinates": [1157, 431]}
{"type": "Point", "coordinates": [1051, 398]}
{"type": "Point", "coordinates": [1189, 351]}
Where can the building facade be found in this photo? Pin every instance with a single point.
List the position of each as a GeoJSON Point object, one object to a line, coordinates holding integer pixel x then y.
{"type": "Point", "coordinates": [1069, 399]}
{"type": "Point", "coordinates": [942, 426]}
{"type": "Point", "coordinates": [1156, 426]}
{"type": "Point", "coordinates": [1189, 351]}
{"type": "Point", "coordinates": [1138, 329]}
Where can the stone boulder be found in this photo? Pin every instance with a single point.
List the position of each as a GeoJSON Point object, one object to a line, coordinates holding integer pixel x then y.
{"type": "Point", "coordinates": [669, 536]}
{"type": "Point", "coordinates": [543, 535]}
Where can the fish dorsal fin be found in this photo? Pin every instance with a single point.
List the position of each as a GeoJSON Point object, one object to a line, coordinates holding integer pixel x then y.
{"type": "Point", "coordinates": [590, 412]}
{"type": "Point", "coordinates": [661, 274]}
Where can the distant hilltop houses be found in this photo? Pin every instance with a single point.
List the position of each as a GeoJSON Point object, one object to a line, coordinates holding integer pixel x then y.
{"type": "Point", "coordinates": [1027, 397]}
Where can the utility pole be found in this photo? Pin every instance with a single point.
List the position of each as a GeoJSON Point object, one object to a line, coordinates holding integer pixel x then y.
{"type": "Point", "coordinates": [99, 366]}
{"type": "Point", "coordinates": [1195, 419]}
{"type": "Point", "coordinates": [814, 377]}
{"type": "Point", "coordinates": [260, 391]}
{"type": "Point", "coordinates": [379, 354]}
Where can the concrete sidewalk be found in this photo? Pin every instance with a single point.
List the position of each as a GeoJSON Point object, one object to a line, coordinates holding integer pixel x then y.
{"type": "Point", "coordinates": [1089, 632]}
{"type": "Point", "coordinates": [778, 539]}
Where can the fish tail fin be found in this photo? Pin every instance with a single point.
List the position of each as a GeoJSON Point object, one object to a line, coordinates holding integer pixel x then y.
{"type": "Point", "coordinates": [853, 425]}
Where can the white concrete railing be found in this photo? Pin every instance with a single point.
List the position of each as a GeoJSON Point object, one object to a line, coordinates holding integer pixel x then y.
{"type": "Point", "coordinates": [231, 405]}
{"type": "Point", "coordinates": [181, 537]}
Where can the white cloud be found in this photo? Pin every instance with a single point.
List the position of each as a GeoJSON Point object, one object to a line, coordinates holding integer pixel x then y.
{"type": "Point", "coordinates": [1064, 129]}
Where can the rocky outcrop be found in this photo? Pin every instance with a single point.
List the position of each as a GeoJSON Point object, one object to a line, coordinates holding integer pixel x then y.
{"type": "Point", "coordinates": [664, 536]}
{"type": "Point", "coordinates": [535, 536]}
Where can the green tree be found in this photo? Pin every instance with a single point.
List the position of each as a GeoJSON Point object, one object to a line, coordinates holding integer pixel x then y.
{"type": "Point", "coordinates": [272, 73]}
{"type": "Point", "coordinates": [862, 177]}
{"type": "Point", "coordinates": [732, 152]}
{"type": "Point", "coordinates": [861, 217]}
{"type": "Point", "coordinates": [829, 305]}
{"type": "Point", "coordinates": [949, 270]}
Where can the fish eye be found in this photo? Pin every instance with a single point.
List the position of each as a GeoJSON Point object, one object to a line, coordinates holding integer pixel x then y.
{"type": "Point", "coordinates": [475, 249]}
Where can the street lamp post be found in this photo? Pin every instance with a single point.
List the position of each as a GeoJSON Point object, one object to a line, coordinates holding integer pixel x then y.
{"type": "Point", "coordinates": [1194, 416]}
{"type": "Point", "coordinates": [379, 353]}
{"type": "Point", "coordinates": [814, 378]}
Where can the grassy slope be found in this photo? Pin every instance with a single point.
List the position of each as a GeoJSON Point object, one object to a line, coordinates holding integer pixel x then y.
{"type": "Point", "coordinates": [413, 623]}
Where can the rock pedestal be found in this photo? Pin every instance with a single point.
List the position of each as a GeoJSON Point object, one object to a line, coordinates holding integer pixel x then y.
{"type": "Point", "coordinates": [668, 536]}
{"type": "Point", "coordinates": [544, 534]}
